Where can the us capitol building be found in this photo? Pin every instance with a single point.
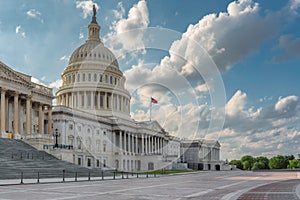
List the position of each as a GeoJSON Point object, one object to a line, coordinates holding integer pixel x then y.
{"type": "Point", "coordinates": [91, 121]}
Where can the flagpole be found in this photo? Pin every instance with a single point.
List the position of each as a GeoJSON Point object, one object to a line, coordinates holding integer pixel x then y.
{"type": "Point", "coordinates": [150, 108]}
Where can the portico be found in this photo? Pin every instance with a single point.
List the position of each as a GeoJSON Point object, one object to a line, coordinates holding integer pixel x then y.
{"type": "Point", "coordinates": [25, 106]}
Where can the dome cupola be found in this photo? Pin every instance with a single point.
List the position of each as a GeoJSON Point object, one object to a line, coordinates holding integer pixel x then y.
{"type": "Point", "coordinates": [92, 81]}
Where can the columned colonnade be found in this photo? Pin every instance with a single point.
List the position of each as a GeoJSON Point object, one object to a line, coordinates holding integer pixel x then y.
{"type": "Point", "coordinates": [94, 99]}
{"type": "Point", "coordinates": [132, 143]}
{"type": "Point", "coordinates": [26, 128]}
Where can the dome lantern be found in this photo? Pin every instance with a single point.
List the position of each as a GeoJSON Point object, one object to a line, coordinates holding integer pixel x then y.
{"type": "Point", "coordinates": [94, 28]}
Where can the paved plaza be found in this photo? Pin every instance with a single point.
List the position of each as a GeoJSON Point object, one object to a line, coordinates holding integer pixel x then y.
{"type": "Point", "coordinates": [201, 185]}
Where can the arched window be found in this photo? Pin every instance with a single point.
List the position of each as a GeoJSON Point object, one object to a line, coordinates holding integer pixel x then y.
{"type": "Point", "coordinates": [78, 77]}
{"type": "Point", "coordinates": [100, 79]}
{"type": "Point", "coordinates": [95, 77]}
{"type": "Point", "coordinates": [111, 80]}
{"type": "Point", "coordinates": [83, 77]}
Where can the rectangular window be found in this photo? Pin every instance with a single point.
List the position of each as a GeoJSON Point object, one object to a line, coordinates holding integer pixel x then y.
{"type": "Point", "coordinates": [70, 126]}
{"type": "Point", "coordinates": [104, 147]}
{"type": "Point", "coordinates": [89, 162]}
{"type": "Point", "coordinates": [90, 77]}
{"type": "Point", "coordinates": [78, 77]}
{"type": "Point", "coordinates": [104, 163]}
{"type": "Point", "coordinates": [100, 79]}
{"type": "Point", "coordinates": [79, 161]}
{"type": "Point", "coordinates": [98, 163]}
{"type": "Point", "coordinates": [83, 77]}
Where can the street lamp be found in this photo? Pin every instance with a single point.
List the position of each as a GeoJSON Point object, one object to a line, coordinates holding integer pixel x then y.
{"type": "Point", "coordinates": [56, 138]}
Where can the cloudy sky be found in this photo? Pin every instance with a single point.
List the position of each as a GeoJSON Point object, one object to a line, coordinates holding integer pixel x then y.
{"type": "Point", "coordinates": [223, 70]}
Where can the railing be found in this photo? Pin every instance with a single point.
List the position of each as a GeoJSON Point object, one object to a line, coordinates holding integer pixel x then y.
{"type": "Point", "coordinates": [58, 146]}
{"type": "Point", "coordinates": [33, 177]}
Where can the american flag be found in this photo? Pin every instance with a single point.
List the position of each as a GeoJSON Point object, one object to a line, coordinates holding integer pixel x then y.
{"type": "Point", "coordinates": [153, 100]}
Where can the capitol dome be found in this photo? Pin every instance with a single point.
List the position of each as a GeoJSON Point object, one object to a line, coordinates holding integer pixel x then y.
{"type": "Point", "coordinates": [92, 80]}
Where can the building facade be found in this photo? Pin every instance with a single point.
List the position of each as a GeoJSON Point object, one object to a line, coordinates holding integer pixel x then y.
{"type": "Point", "coordinates": [26, 107]}
{"type": "Point", "coordinates": [93, 115]}
{"type": "Point", "coordinates": [201, 154]}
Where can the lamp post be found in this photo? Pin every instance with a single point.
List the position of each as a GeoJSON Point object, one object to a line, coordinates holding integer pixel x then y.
{"type": "Point", "coordinates": [56, 135]}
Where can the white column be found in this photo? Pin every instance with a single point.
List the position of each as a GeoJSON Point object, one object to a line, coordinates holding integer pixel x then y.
{"type": "Point", "coordinates": [3, 110]}
{"type": "Point", "coordinates": [136, 144]}
{"type": "Point", "coordinates": [41, 119]}
{"type": "Point", "coordinates": [146, 144]}
{"type": "Point", "coordinates": [142, 151]}
{"type": "Point", "coordinates": [121, 141]}
{"type": "Point", "coordinates": [149, 144]}
{"type": "Point", "coordinates": [28, 114]}
{"type": "Point", "coordinates": [105, 101]}
{"type": "Point", "coordinates": [16, 113]}
{"type": "Point", "coordinates": [92, 99]}
{"type": "Point", "coordinates": [50, 120]}
{"type": "Point", "coordinates": [125, 142]}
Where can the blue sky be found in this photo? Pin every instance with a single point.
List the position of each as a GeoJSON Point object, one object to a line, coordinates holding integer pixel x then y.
{"type": "Point", "coordinates": [255, 46]}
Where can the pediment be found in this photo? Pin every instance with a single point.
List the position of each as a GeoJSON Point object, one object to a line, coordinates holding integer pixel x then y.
{"type": "Point", "coordinates": [153, 125]}
{"type": "Point", "coordinates": [8, 73]}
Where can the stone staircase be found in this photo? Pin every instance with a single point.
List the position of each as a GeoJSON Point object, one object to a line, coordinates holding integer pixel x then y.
{"type": "Point", "coordinates": [18, 157]}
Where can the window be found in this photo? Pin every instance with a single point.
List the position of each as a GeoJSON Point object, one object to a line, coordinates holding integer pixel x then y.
{"type": "Point", "coordinates": [104, 147]}
{"type": "Point", "coordinates": [79, 161]}
{"type": "Point", "coordinates": [100, 79]}
{"type": "Point", "coordinates": [90, 77]}
{"type": "Point", "coordinates": [89, 130]}
{"type": "Point", "coordinates": [78, 143]}
{"type": "Point", "coordinates": [106, 79]}
{"type": "Point", "coordinates": [111, 80]}
{"type": "Point", "coordinates": [104, 163]}
{"type": "Point", "coordinates": [115, 80]}
{"type": "Point", "coordinates": [98, 163]}
{"type": "Point", "coordinates": [70, 141]}
{"type": "Point", "coordinates": [73, 78]}
{"type": "Point", "coordinates": [95, 77]}
{"type": "Point", "coordinates": [70, 126]}
{"type": "Point", "coordinates": [83, 77]}
{"type": "Point", "coordinates": [98, 146]}
{"type": "Point", "coordinates": [78, 77]}
{"type": "Point", "coordinates": [89, 162]}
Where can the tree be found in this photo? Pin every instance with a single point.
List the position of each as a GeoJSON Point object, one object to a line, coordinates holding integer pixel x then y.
{"type": "Point", "coordinates": [237, 163]}
{"type": "Point", "coordinates": [294, 164]}
{"type": "Point", "coordinates": [258, 165]}
{"type": "Point", "coordinates": [247, 162]}
{"type": "Point", "coordinates": [263, 160]}
{"type": "Point", "coordinates": [279, 162]}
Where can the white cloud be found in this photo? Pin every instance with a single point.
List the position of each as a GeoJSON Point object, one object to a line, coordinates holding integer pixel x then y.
{"type": "Point", "coordinates": [81, 36]}
{"type": "Point", "coordinates": [286, 104]}
{"type": "Point", "coordinates": [127, 33]}
{"type": "Point", "coordinates": [64, 58]}
{"type": "Point", "coordinates": [87, 7]}
{"type": "Point", "coordinates": [236, 104]}
{"type": "Point", "coordinates": [56, 84]}
{"type": "Point", "coordinates": [37, 81]}
{"type": "Point", "coordinates": [19, 31]}
{"type": "Point", "coordinates": [33, 13]}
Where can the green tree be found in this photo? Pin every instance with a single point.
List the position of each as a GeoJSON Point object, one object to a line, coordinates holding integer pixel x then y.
{"type": "Point", "coordinates": [263, 160]}
{"type": "Point", "coordinates": [258, 165]}
{"type": "Point", "coordinates": [279, 162]}
{"type": "Point", "coordinates": [237, 163]}
{"type": "Point", "coordinates": [247, 162]}
{"type": "Point", "coordinates": [294, 164]}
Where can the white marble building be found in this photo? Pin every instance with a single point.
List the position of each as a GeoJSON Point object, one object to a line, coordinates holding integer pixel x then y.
{"type": "Point", "coordinates": [93, 115]}
{"type": "Point", "coordinates": [25, 107]}
{"type": "Point", "coordinates": [201, 154]}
